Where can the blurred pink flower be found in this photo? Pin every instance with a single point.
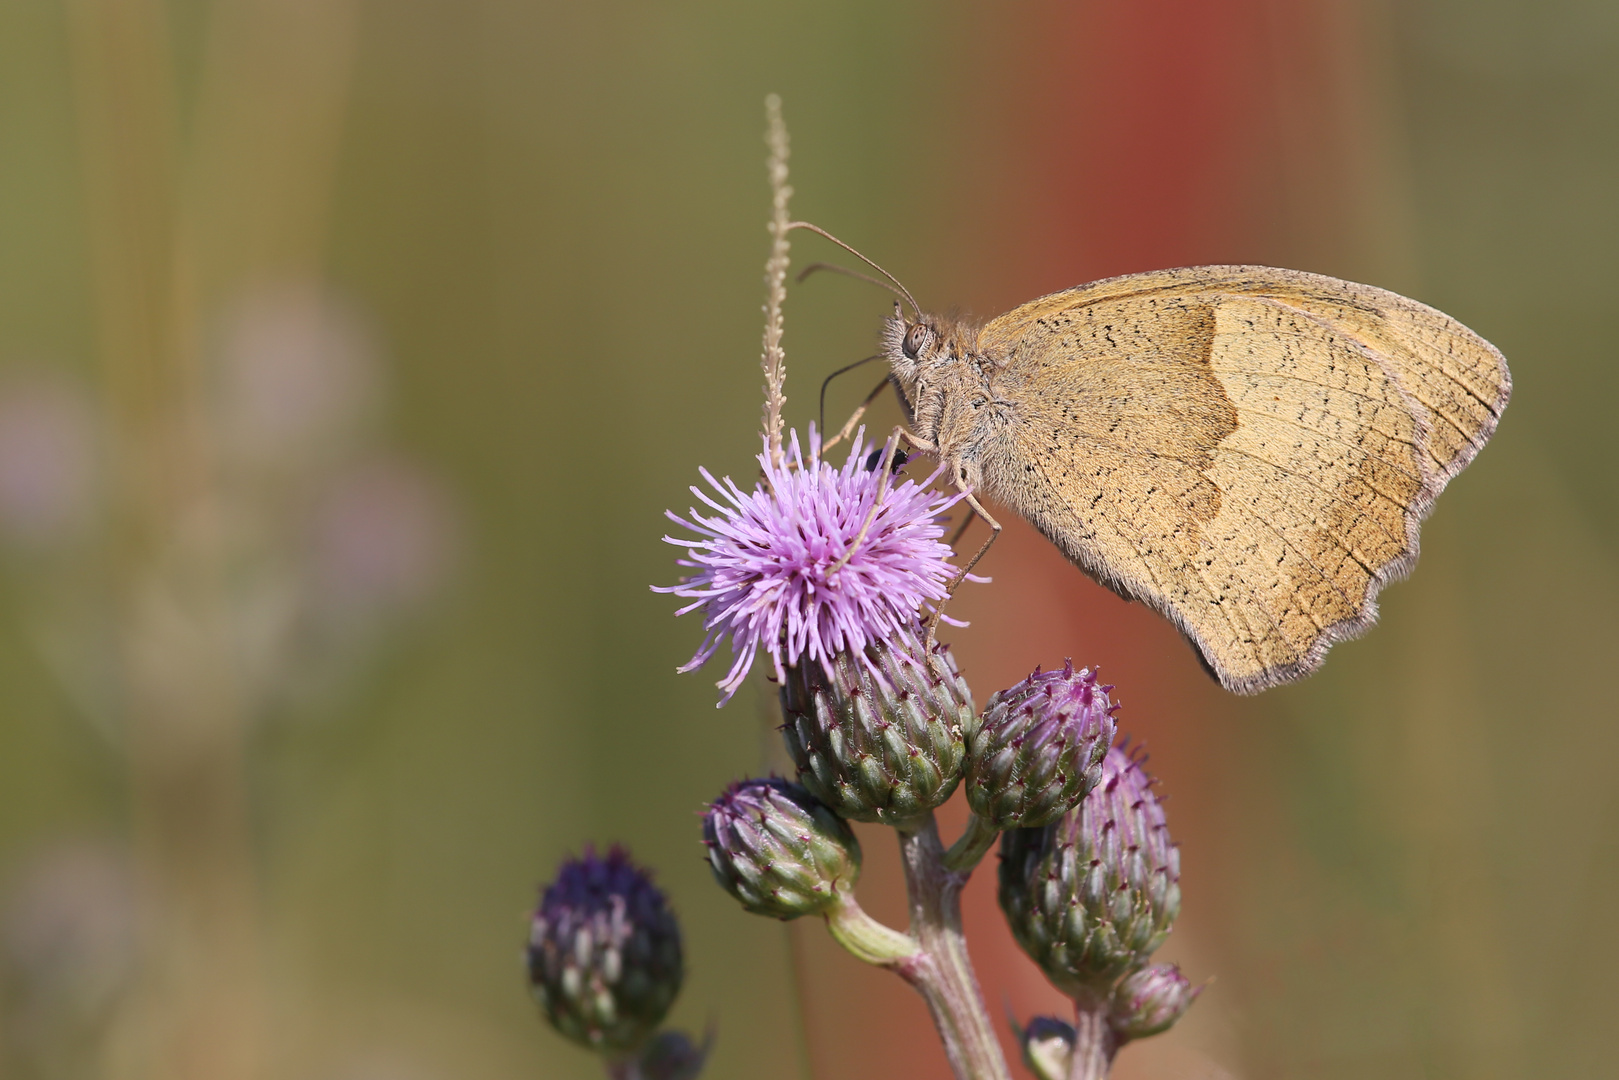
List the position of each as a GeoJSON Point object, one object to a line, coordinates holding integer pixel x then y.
{"type": "Point", "coordinates": [297, 370]}
{"type": "Point", "coordinates": [47, 457]}
{"type": "Point", "coordinates": [382, 538]}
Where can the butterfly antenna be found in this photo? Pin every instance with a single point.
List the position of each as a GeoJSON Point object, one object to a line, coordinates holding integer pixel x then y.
{"type": "Point", "coordinates": [846, 272]}
{"type": "Point", "coordinates": [901, 289]}
{"type": "Point", "coordinates": [841, 371]}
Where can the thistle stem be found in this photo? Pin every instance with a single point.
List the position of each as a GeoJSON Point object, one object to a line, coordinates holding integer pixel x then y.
{"type": "Point", "coordinates": [1094, 1042]}
{"type": "Point", "coordinates": [866, 938]}
{"type": "Point", "coordinates": [973, 845]}
{"type": "Point", "coordinates": [941, 971]}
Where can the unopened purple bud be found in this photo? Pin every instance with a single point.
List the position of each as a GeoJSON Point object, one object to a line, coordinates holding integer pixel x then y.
{"type": "Point", "coordinates": [779, 850]}
{"type": "Point", "coordinates": [880, 736]}
{"type": "Point", "coordinates": [1091, 895]}
{"type": "Point", "coordinates": [1039, 748]}
{"type": "Point", "coordinates": [1149, 1001]}
{"type": "Point", "coordinates": [604, 957]}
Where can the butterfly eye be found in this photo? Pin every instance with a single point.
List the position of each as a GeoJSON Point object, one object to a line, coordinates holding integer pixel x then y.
{"type": "Point", "coordinates": [915, 338]}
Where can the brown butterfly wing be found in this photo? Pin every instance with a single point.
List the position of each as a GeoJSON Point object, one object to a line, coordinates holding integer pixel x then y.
{"type": "Point", "coordinates": [1248, 450]}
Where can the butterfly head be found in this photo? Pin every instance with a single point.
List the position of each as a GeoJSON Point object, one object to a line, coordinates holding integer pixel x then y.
{"type": "Point", "coordinates": [926, 356]}
{"type": "Point", "coordinates": [918, 348]}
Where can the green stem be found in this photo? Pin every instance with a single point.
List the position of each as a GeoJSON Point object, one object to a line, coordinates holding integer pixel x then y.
{"type": "Point", "coordinates": [973, 845]}
{"type": "Point", "coordinates": [933, 956]}
{"type": "Point", "coordinates": [942, 972]}
{"type": "Point", "coordinates": [868, 939]}
{"type": "Point", "coordinates": [1094, 1042]}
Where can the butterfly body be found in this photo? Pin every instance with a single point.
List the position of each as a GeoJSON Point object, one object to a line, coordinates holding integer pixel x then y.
{"type": "Point", "coordinates": [1248, 450]}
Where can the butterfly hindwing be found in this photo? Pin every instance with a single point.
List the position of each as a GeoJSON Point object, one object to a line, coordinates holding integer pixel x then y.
{"type": "Point", "coordinates": [1248, 450]}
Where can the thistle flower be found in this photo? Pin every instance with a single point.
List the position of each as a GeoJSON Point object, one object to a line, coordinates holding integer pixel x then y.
{"type": "Point", "coordinates": [604, 957]}
{"type": "Point", "coordinates": [880, 735]}
{"type": "Point", "coordinates": [1091, 895]}
{"type": "Point", "coordinates": [784, 569]}
{"type": "Point", "coordinates": [1039, 749]}
{"type": "Point", "coordinates": [1048, 1046]}
{"type": "Point", "coordinates": [1149, 1001]}
{"type": "Point", "coordinates": [673, 1056]}
{"type": "Point", "coordinates": [778, 849]}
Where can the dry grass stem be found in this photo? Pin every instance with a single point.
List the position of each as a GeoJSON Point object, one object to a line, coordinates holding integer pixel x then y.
{"type": "Point", "coordinates": [774, 360]}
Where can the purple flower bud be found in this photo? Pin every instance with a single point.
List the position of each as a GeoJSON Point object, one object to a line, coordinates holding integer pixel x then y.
{"type": "Point", "coordinates": [1091, 895]}
{"type": "Point", "coordinates": [1149, 1001]}
{"type": "Point", "coordinates": [1039, 748]}
{"type": "Point", "coordinates": [779, 850]}
{"type": "Point", "coordinates": [604, 957]}
{"type": "Point", "coordinates": [880, 737]}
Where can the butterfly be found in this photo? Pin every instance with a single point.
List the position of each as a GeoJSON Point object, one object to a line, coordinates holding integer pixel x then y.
{"type": "Point", "coordinates": [1247, 450]}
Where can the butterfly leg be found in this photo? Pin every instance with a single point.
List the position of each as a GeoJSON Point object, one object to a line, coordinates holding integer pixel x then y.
{"type": "Point", "coordinates": [961, 575]}
{"type": "Point", "coordinates": [961, 530]}
{"type": "Point", "coordinates": [886, 473]}
{"type": "Point", "coordinates": [848, 428]}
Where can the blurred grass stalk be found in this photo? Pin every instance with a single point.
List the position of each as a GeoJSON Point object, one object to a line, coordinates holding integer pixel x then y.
{"type": "Point", "coordinates": [190, 197]}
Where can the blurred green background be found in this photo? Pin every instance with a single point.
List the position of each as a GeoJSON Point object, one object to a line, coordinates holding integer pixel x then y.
{"type": "Point", "coordinates": [350, 353]}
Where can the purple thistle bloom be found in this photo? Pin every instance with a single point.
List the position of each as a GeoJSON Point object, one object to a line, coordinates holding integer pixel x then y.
{"type": "Point", "coordinates": [765, 561]}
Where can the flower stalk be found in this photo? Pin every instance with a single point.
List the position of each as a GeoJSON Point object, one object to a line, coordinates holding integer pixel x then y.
{"type": "Point", "coordinates": [1095, 1042]}
{"type": "Point", "coordinates": [943, 972]}
{"type": "Point", "coordinates": [868, 940]}
{"type": "Point", "coordinates": [774, 359]}
{"type": "Point", "coordinates": [971, 847]}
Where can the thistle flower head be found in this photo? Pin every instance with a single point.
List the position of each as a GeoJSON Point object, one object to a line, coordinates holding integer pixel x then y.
{"type": "Point", "coordinates": [778, 849]}
{"type": "Point", "coordinates": [1091, 895]}
{"type": "Point", "coordinates": [1048, 1046]}
{"type": "Point", "coordinates": [784, 568]}
{"type": "Point", "coordinates": [880, 736]}
{"type": "Point", "coordinates": [604, 956]}
{"type": "Point", "coordinates": [1039, 749]}
{"type": "Point", "coordinates": [1149, 1001]}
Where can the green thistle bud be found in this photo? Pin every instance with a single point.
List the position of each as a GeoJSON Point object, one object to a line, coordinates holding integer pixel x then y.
{"type": "Point", "coordinates": [604, 958]}
{"type": "Point", "coordinates": [779, 850]}
{"type": "Point", "coordinates": [1091, 895]}
{"type": "Point", "coordinates": [1039, 748]}
{"type": "Point", "coordinates": [880, 737]}
{"type": "Point", "coordinates": [1048, 1047]}
{"type": "Point", "coordinates": [1149, 1001]}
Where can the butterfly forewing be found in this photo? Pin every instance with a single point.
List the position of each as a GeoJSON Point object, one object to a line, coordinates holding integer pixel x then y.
{"type": "Point", "coordinates": [1248, 450]}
